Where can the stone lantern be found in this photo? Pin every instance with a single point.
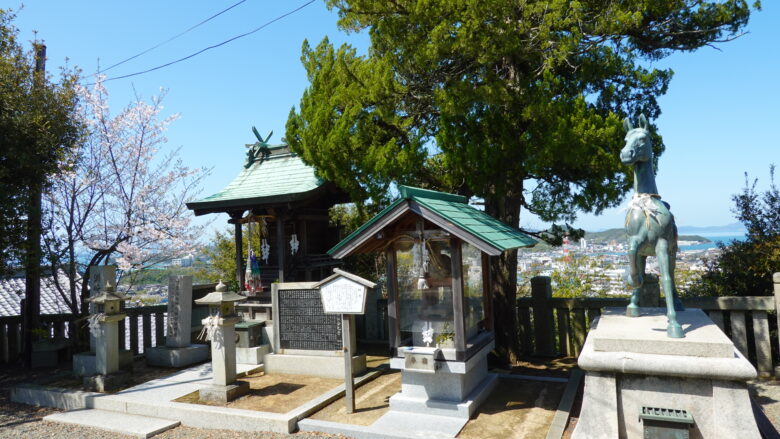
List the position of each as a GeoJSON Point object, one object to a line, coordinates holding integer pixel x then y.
{"type": "Point", "coordinates": [105, 323]}
{"type": "Point", "coordinates": [220, 330]}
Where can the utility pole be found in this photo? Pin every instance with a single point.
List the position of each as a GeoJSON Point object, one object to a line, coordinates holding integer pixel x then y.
{"type": "Point", "coordinates": [32, 269]}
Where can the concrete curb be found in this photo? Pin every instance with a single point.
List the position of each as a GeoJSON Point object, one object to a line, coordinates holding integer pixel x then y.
{"type": "Point", "coordinates": [561, 418]}
{"type": "Point", "coordinates": [323, 400]}
{"type": "Point", "coordinates": [191, 415]}
{"type": "Point", "coordinates": [57, 397]}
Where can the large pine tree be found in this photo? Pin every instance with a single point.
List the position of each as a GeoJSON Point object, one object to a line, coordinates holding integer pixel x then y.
{"type": "Point", "coordinates": [518, 103]}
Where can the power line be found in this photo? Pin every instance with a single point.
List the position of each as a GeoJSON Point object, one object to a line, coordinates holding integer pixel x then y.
{"type": "Point", "coordinates": [172, 38]}
{"type": "Point", "coordinates": [213, 46]}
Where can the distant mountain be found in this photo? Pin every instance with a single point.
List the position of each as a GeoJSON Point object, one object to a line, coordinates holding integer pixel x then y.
{"type": "Point", "coordinates": [730, 229]}
{"type": "Point", "coordinates": [619, 235]}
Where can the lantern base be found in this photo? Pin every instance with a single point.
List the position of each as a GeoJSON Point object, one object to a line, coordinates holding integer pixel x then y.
{"type": "Point", "coordinates": [85, 363]}
{"type": "Point", "coordinates": [107, 383]}
{"type": "Point", "coordinates": [223, 394]}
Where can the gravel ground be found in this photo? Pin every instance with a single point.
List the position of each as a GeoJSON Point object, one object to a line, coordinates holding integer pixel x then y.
{"type": "Point", "coordinates": [25, 422]}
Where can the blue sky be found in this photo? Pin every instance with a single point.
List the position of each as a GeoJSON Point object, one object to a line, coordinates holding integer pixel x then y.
{"type": "Point", "coordinates": [717, 122]}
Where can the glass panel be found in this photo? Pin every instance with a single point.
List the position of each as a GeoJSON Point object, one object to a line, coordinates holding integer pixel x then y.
{"type": "Point", "coordinates": [425, 293]}
{"type": "Point", "coordinates": [473, 310]}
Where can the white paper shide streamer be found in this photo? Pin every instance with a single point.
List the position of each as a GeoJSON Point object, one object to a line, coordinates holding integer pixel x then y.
{"type": "Point", "coordinates": [94, 323]}
{"type": "Point", "coordinates": [210, 327]}
{"type": "Point", "coordinates": [644, 202]}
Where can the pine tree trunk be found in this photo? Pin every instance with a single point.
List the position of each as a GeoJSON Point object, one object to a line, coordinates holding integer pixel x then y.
{"type": "Point", "coordinates": [506, 208]}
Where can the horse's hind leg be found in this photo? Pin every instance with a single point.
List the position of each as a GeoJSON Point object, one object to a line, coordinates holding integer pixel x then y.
{"type": "Point", "coordinates": [665, 264]}
{"type": "Point", "coordinates": [633, 307]}
{"type": "Point", "coordinates": [678, 305]}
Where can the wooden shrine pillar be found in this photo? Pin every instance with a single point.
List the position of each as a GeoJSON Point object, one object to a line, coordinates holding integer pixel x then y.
{"type": "Point", "coordinates": [457, 298]}
{"type": "Point", "coordinates": [240, 271]}
{"type": "Point", "coordinates": [280, 244]}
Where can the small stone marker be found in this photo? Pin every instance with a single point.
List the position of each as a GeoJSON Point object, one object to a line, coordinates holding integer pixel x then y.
{"type": "Point", "coordinates": [345, 293]}
{"type": "Point", "coordinates": [179, 312]}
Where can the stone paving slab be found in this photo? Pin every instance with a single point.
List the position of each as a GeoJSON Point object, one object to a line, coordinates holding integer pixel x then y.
{"type": "Point", "coordinates": [392, 425]}
{"type": "Point", "coordinates": [132, 425]}
{"type": "Point", "coordinates": [415, 425]}
{"type": "Point", "coordinates": [178, 384]}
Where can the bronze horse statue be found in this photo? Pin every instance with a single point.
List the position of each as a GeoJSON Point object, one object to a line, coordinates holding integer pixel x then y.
{"type": "Point", "coordinates": [649, 225]}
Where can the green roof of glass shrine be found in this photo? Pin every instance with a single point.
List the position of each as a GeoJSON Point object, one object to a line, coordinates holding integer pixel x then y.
{"type": "Point", "coordinates": [279, 178]}
{"type": "Point", "coordinates": [450, 212]}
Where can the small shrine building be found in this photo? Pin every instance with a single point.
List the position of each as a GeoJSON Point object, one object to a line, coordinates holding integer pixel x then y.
{"type": "Point", "coordinates": [288, 204]}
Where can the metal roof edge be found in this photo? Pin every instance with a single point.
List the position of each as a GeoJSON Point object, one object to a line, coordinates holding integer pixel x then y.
{"type": "Point", "coordinates": [445, 223]}
{"type": "Point", "coordinates": [198, 207]}
{"type": "Point", "coordinates": [409, 192]}
{"type": "Point", "coordinates": [337, 251]}
{"type": "Point", "coordinates": [460, 232]}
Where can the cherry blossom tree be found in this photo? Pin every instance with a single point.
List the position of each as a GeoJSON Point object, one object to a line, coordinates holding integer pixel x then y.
{"type": "Point", "coordinates": [122, 199]}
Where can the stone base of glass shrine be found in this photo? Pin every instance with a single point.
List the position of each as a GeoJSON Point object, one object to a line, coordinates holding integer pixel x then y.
{"type": "Point", "coordinates": [452, 388]}
{"type": "Point", "coordinates": [631, 364]}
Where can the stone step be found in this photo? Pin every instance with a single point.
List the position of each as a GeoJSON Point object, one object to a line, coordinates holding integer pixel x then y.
{"type": "Point", "coordinates": [132, 425]}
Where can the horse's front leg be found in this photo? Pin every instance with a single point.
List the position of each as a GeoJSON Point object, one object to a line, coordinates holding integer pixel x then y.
{"type": "Point", "coordinates": [665, 264]}
{"type": "Point", "coordinates": [636, 266]}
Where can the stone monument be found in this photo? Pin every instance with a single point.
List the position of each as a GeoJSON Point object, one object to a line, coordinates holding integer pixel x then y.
{"type": "Point", "coordinates": [178, 350]}
{"type": "Point", "coordinates": [104, 324]}
{"type": "Point", "coordinates": [219, 327]}
{"type": "Point", "coordinates": [306, 340]}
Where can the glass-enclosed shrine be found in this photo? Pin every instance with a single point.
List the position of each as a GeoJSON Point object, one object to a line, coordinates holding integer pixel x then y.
{"type": "Point", "coordinates": [437, 250]}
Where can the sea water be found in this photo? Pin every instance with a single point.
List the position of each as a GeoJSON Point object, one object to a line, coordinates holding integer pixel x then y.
{"type": "Point", "coordinates": [714, 240]}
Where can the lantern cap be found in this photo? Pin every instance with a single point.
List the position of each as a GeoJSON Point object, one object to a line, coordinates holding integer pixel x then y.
{"type": "Point", "coordinates": [220, 295]}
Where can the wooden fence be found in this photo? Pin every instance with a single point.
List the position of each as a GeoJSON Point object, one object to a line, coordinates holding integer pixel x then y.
{"type": "Point", "coordinates": [142, 328]}
{"type": "Point", "coordinates": [551, 326]}
{"type": "Point", "coordinates": [548, 326]}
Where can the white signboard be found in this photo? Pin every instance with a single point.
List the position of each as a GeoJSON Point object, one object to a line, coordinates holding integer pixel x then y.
{"type": "Point", "coordinates": [343, 296]}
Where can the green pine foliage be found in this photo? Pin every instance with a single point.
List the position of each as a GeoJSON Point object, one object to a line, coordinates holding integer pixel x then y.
{"type": "Point", "coordinates": [518, 103]}
{"type": "Point", "coordinates": [745, 268]}
{"type": "Point", "coordinates": [38, 130]}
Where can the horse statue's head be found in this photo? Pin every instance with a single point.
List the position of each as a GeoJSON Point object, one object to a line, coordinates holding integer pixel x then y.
{"type": "Point", "coordinates": [639, 147]}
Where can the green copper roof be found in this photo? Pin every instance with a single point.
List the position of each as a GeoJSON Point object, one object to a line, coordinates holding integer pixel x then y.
{"type": "Point", "coordinates": [450, 212]}
{"type": "Point", "coordinates": [282, 177]}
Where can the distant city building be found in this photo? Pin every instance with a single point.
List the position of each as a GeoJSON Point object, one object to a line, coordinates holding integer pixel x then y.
{"type": "Point", "coordinates": [583, 244]}
{"type": "Point", "coordinates": [183, 262]}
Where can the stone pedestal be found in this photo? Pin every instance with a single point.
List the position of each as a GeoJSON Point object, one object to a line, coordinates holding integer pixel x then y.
{"type": "Point", "coordinates": [108, 376]}
{"type": "Point", "coordinates": [630, 363]}
{"type": "Point", "coordinates": [85, 363]}
{"type": "Point", "coordinates": [454, 388]}
{"type": "Point", "coordinates": [178, 351]}
{"type": "Point", "coordinates": [224, 386]}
